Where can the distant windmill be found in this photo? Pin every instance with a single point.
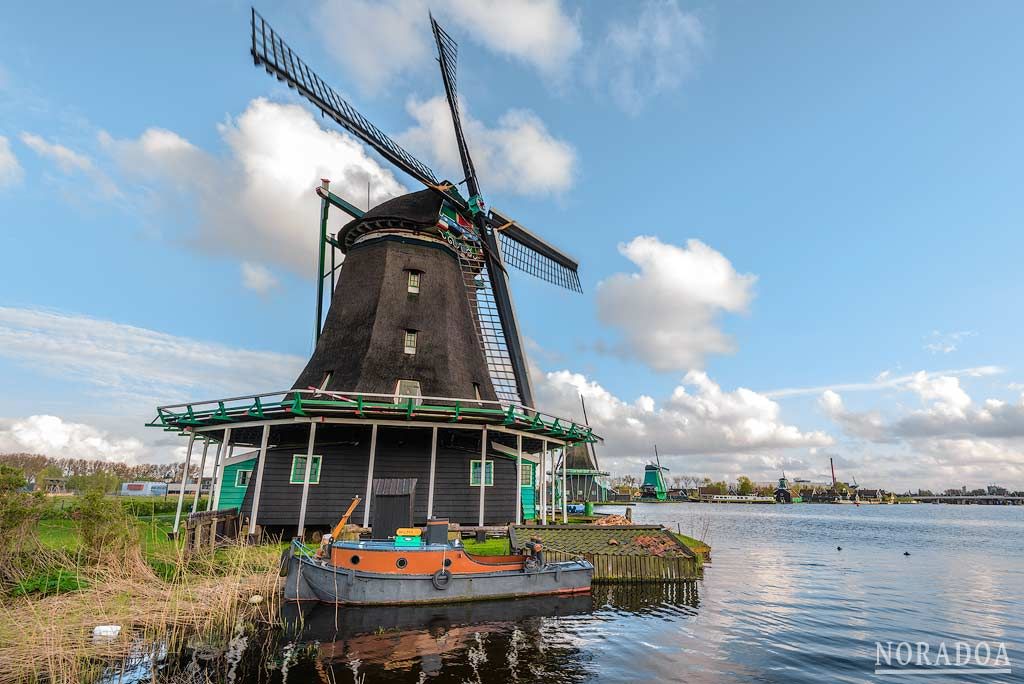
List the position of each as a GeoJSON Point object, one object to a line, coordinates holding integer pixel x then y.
{"type": "Point", "coordinates": [484, 239]}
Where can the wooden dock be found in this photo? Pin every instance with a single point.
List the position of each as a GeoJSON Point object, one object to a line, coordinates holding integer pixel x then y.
{"type": "Point", "coordinates": [619, 553]}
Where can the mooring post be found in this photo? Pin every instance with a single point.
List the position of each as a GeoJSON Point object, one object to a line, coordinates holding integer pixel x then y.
{"type": "Point", "coordinates": [184, 479]}
{"type": "Point", "coordinates": [202, 467]}
{"type": "Point", "coordinates": [222, 466]}
{"type": "Point", "coordinates": [305, 482]}
{"type": "Point", "coordinates": [433, 465]}
{"type": "Point", "coordinates": [519, 479]}
{"type": "Point", "coordinates": [483, 472]}
{"type": "Point", "coordinates": [369, 475]}
{"type": "Point", "coordinates": [259, 481]}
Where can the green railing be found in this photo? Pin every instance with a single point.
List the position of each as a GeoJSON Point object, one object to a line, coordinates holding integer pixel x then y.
{"type": "Point", "coordinates": [310, 402]}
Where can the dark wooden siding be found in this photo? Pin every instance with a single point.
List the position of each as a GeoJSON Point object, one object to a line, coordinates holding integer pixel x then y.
{"type": "Point", "coordinates": [401, 453]}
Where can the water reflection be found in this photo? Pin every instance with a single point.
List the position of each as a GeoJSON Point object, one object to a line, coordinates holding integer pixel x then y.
{"type": "Point", "coordinates": [493, 641]}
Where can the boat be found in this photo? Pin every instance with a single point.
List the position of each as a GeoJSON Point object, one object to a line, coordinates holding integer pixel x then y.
{"type": "Point", "coordinates": [410, 570]}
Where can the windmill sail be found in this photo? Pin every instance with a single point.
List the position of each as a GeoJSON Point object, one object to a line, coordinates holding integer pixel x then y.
{"type": "Point", "coordinates": [496, 319]}
{"type": "Point", "coordinates": [278, 59]}
{"type": "Point", "coordinates": [528, 252]}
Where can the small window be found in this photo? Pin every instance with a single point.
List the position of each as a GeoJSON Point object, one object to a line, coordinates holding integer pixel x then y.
{"type": "Point", "coordinates": [407, 388]}
{"type": "Point", "coordinates": [476, 391]}
{"type": "Point", "coordinates": [410, 341]}
{"type": "Point", "coordinates": [327, 379]}
{"type": "Point", "coordinates": [299, 469]}
{"type": "Point", "coordinates": [527, 469]}
{"type": "Point", "coordinates": [242, 478]}
{"type": "Point", "coordinates": [414, 282]}
{"type": "Point", "coordinates": [474, 473]}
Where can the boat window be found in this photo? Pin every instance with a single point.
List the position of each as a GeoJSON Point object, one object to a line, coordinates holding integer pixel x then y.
{"type": "Point", "coordinates": [447, 562]}
{"type": "Point", "coordinates": [354, 560]}
{"type": "Point", "coordinates": [299, 469]}
{"type": "Point", "coordinates": [410, 341]}
{"type": "Point", "coordinates": [474, 473]}
{"type": "Point", "coordinates": [242, 478]}
{"type": "Point", "coordinates": [401, 563]}
{"type": "Point", "coordinates": [527, 469]}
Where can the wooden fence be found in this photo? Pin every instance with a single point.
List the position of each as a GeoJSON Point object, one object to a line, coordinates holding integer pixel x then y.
{"type": "Point", "coordinates": [206, 530]}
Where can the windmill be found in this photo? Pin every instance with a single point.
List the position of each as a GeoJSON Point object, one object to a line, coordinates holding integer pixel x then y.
{"type": "Point", "coordinates": [485, 239]}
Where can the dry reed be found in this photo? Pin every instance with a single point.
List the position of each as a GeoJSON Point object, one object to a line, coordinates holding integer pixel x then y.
{"type": "Point", "coordinates": [51, 639]}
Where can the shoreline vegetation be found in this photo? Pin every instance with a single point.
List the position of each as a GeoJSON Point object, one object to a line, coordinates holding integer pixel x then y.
{"type": "Point", "coordinates": [71, 564]}
{"type": "Point", "coordinates": [67, 569]}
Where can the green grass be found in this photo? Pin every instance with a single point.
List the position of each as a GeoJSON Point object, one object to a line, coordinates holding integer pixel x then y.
{"type": "Point", "coordinates": [497, 546]}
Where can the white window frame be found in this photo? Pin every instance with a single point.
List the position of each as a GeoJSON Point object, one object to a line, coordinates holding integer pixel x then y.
{"type": "Point", "coordinates": [413, 282]}
{"type": "Point", "coordinates": [319, 469]}
{"type": "Point", "coordinates": [399, 392]}
{"type": "Point", "coordinates": [238, 474]}
{"type": "Point", "coordinates": [408, 335]}
{"type": "Point", "coordinates": [527, 468]}
{"type": "Point", "coordinates": [488, 470]}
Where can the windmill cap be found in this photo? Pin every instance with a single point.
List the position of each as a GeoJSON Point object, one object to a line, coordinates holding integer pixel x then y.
{"type": "Point", "coordinates": [416, 210]}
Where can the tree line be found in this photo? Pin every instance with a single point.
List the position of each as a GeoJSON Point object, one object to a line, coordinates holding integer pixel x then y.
{"type": "Point", "coordinates": [81, 474]}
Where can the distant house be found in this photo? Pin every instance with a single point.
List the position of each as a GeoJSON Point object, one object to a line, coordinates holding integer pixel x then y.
{"type": "Point", "coordinates": [173, 488]}
{"type": "Point", "coordinates": [143, 489]}
{"type": "Point", "coordinates": [56, 485]}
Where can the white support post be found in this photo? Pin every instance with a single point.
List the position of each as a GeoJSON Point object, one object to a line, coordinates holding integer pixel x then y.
{"type": "Point", "coordinates": [544, 482]}
{"type": "Point", "coordinates": [554, 476]}
{"type": "Point", "coordinates": [565, 494]}
{"type": "Point", "coordinates": [259, 481]}
{"type": "Point", "coordinates": [369, 475]}
{"type": "Point", "coordinates": [433, 465]}
{"type": "Point", "coordinates": [213, 479]}
{"type": "Point", "coordinates": [483, 473]}
{"type": "Point", "coordinates": [223, 465]}
{"type": "Point", "coordinates": [184, 480]}
{"type": "Point", "coordinates": [199, 480]}
{"type": "Point", "coordinates": [305, 482]}
{"type": "Point", "coordinates": [519, 479]}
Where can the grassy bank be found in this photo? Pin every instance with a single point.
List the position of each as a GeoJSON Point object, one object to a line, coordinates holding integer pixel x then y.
{"type": "Point", "coordinates": [73, 565]}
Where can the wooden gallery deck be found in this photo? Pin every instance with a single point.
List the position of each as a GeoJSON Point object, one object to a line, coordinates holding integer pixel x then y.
{"type": "Point", "coordinates": [620, 553]}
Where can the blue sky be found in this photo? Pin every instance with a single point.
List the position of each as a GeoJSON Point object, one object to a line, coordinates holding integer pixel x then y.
{"type": "Point", "coordinates": [852, 174]}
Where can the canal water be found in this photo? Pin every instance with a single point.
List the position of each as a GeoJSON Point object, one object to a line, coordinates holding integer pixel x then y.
{"type": "Point", "coordinates": [780, 602]}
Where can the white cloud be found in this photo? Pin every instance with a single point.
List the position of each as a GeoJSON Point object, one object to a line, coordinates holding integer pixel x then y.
{"type": "Point", "coordinates": [946, 343]}
{"type": "Point", "coordinates": [57, 438]}
{"type": "Point", "coordinates": [257, 203]}
{"type": "Point", "coordinates": [72, 163]}
{"type": "Point", "coordinates": [668, 312]}
{"type": "Point", "coordinates": [258, 278]}
{"type": "Point", "coordinates": [141, 366]}
{"type": "Point", "coordinates": [650, 54]}
{"type": "Point", "coordinates": [539, 33]}
{"type": "Point", "coordinates": [699, 428]}
{"type": "Point", "coordinates": [10, 170]}
{"type": "Point", "coordinates": [518, 155]}
{"type": "Point", "coordinates": [884, 380]}
{"type": "Point", "coordinates": [950, 441]}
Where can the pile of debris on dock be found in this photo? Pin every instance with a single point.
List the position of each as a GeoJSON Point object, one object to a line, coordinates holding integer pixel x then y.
{"type": "Point", "coordinates": [619, 553]}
